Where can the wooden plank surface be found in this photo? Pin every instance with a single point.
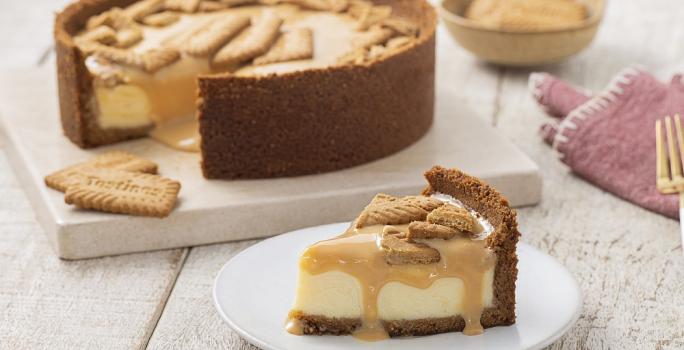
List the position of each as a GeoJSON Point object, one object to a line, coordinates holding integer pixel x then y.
{"type": "Point", "coordinates": [628, 261]}
{"type": "Point", "coordinates": [47, 303]}
{"type": "Point", "coordinates": [190, 320]}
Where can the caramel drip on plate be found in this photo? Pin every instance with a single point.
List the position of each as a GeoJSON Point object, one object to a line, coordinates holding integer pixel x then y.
{"type": "Point", "coordinates": [358, 253]}
{"type": "Point", "coordinates": [294, 326]}
{"type": "Point", "coordinates": [179, 134]}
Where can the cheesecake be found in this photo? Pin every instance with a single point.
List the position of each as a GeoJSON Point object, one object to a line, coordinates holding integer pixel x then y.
{"type": "Point", "coordinates": [442, 261]}
{"type": "Point", "coordinates": [259, 88]}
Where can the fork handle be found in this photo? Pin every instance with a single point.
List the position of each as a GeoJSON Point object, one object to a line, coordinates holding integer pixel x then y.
{"type": "Point", "coordinates": [681, 217]}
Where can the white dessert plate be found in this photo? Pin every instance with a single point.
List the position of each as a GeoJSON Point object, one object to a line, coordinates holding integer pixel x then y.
{"type": "Point", "coordinates": [253, 292]}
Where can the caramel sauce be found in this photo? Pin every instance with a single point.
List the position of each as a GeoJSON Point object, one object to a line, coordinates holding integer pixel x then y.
{"type": "Point", "coordinates": [358, 253]}
{"type": "Point", "coordinates": [294, 326]}
{"type": "Point", "coordinates": [179, 134]}
{"type": "Point", "coordinates": [171, 94]}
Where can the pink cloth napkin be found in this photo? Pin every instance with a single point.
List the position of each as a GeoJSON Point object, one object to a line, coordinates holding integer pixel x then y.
{"type": "Point", "coordinates": [609, 138]}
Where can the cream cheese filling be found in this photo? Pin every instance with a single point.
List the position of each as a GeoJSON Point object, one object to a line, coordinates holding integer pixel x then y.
{"type": "Point", "coordinates": [348, 277]}
{"type": "Point", "coordinates": [338, 294]}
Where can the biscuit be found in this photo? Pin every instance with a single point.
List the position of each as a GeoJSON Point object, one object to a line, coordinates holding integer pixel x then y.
{"type": "Point", "coordinates": [339, 5]}
{"type": "Point", "coordinates": [114, 18]}
{"type": "Point", "coordinates": [376, 52]}
{"type": "Point", "coordinates": [128, 37]}
{"type": "Point", "coordinates": [296, 44]}
{"type": "Point", "coordinates": [374, 36]}
{"type": "Point", "coordinates": [373, 15]}
{"type": "Point", "coordinates": [155, 59]}
{"type": "Point", "coordinates": [102, 34]}
{"type": "Point", "coordinates": [211, 6]}
{"type": "Point", "coordinates": [357, 8]}
{"type": "Point", "coordinates": [454, 217]}
{"type": "Point", "coordinates": [399, 250]}
{"type": "Point", "coordinates": [425, 230]}
{"type": "Point", "coordinates": [399, 211]}
{"type": "Point", "coordinates": [177, 41]}
{"type": "Point", "coordinates": [115, 160]}
{"type": "Point", "coordinates": [140, 9]}
{"type": "Point", "coordinates": [398, 42]}
{"type": "Point", "coordinates": [214, 34]}
{"type": "Point", "coordinates": [232, 3]}
{"type": "Point", "coordinates": [356, 56]}
{"type": "Point", "coordinates": [527, 15]}
{"type": "Point", "coordinates": [257, 41]}
{"type": "Point", "coordinates": [401, 26]}
{"type": "Point", "coordinates": [149, 61]}
{"type": "Point", "coordinates": [161, 19]}
{"type": "Point", "coordinates": [188, 6]}
{"type": "Point", "coordinates": [317, 5]}
{"type": "Point", "coordinates": [383, 198]}
{"type": "Point", "coordinates": [124, 192]}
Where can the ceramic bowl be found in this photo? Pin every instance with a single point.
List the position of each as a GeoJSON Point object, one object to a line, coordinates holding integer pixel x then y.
{"type": "Point", "coordinates": [520, 48]}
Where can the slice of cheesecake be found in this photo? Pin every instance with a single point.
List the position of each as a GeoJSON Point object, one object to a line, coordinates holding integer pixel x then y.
{"type": "Point", "coordinates": [439, 262]}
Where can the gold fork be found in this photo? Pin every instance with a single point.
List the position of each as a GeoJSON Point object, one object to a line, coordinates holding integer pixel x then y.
{"type": "Point", "coordinates": [669, 178]}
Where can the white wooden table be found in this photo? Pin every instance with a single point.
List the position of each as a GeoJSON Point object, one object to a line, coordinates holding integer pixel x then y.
{"type": "Point", "coordinates": [628, 261]}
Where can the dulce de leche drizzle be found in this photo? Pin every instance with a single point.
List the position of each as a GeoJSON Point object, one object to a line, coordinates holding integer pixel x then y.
{"type": "Point", "coordinates": [358, 253]}
{"type": "Point", "coordinates": [180, 134]}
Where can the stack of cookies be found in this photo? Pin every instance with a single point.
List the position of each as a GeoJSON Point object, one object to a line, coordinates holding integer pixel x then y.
{"type": "Point", "coordinates": [116, 182]}
{"type": "Point", "coordinates": [428, 218]}
{"type": "Point", "coordinates": [229, 40]}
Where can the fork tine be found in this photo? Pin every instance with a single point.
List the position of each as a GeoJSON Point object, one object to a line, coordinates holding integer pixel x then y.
{"type": "Point", "coordinates": [675, 163]}
{"type": "Point", "coordinates": [662, 172]}
{"type": "Point", "coordinates": [680, 135]}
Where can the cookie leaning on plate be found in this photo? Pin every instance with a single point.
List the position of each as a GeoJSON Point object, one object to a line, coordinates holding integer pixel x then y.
{"type": "Point", "coordinates": [293, 88]}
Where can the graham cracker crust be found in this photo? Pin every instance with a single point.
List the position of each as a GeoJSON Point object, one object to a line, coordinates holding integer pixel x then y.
{"type": "Point", "coordinates": [321, 325]}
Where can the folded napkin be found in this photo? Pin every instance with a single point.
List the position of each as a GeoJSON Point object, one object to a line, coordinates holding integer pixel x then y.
{"type": "Point", "coordinates": [609, 138]}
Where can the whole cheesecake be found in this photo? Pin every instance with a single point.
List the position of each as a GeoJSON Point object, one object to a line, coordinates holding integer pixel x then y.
{"type": "Point", "coordinates": [442, 261]}
{"type": "Point", "coordinates": [259, 88]}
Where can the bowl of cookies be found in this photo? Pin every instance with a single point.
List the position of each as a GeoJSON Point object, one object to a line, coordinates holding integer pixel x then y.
{"type": "Point", "coordinates": [522, 32]}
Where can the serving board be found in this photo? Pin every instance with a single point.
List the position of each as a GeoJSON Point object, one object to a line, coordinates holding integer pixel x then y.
{"type": "Point", "coordinates": [210, 211]}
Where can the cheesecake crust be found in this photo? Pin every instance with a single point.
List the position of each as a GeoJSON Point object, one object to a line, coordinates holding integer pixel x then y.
{"type": "Point", "coordinates": [78, 108]}
{"type": "Point", "coordinates": [322, 325]}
